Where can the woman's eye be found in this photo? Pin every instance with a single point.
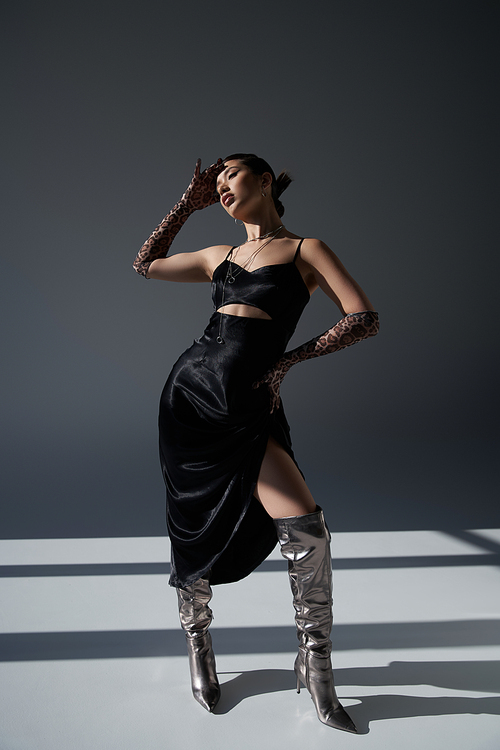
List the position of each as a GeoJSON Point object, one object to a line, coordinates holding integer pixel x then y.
{"type": "Point", "coordinates": [232, 175]}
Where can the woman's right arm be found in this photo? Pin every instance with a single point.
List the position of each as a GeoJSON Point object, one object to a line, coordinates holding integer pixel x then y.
{"type": "Point", "coordinates": [151, 261]}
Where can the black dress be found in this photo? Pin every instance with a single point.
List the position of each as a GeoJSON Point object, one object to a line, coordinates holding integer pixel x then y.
{"type": "Point", "coordinates": [214, 426]}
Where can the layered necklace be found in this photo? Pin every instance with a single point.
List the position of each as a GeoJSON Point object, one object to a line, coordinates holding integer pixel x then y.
{"type": "Point", "coordinates": [232, 274]}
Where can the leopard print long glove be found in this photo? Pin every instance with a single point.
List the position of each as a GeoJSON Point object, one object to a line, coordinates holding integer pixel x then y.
{"type": "Point", "coordinates": [351, 329]}
{"type": "Point", "coordinates": [200, 193]}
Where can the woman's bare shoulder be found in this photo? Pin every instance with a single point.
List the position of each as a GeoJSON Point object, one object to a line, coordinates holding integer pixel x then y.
{"type": "Point", "coordinates": [214, 255]}
{"type": "Point", "coordinates": [314, 251]}
{"type": "Point", "coordinates": [314, 245]}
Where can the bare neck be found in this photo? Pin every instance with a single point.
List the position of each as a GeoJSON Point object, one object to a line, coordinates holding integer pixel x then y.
{"type": "Point", "coordinates": [266, 222]}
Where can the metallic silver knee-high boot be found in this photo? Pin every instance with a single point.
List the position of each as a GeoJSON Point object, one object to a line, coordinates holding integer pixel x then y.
{"type": "Point", "coordinates": [305, 543]}
{"type": "Point", "coordinates": [195, 616]}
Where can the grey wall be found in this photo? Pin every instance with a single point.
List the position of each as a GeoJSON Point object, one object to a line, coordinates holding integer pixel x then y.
{"type": "Point", "coordinates": [386, 114]}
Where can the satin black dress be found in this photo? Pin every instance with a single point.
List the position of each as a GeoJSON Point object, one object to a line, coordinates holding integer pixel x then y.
{"type": "Point", "coordinates": [214, 426]}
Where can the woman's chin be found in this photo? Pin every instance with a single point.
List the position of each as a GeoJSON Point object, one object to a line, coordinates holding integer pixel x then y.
{"type": "Point", "coordinates": [237, 215]}
{"type": "Point", "coordinates": [230, 211]}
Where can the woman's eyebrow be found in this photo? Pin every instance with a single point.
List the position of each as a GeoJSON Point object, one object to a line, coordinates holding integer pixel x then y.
{"type": "Point", "coordinates": [226, 170]}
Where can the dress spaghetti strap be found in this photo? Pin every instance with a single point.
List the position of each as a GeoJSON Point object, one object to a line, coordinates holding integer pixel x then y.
{"type": "Point", "coordinates": [298, 250]}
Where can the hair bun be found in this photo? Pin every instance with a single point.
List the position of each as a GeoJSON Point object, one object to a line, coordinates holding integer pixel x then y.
{"type": "Point", "coordinates": [283, 180]}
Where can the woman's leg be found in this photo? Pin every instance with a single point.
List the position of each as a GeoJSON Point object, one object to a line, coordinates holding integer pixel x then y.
{"type": "Point", "coordinates": [281, 488]}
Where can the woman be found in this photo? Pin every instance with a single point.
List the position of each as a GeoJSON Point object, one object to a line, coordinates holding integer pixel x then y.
{"type": "Point", "coordinates": [233, 485]}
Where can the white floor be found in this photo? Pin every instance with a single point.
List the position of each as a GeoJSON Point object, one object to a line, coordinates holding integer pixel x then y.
{"type": "Point", "coordinates": [91, 656]}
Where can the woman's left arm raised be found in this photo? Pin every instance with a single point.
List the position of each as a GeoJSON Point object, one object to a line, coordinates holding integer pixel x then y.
{"type": "Point", "coordinates": [323, 269]}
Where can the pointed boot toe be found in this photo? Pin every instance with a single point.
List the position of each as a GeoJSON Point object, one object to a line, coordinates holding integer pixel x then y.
{"type": "Point", "coordinates": [339, 719]}
{"type": "Point", "coordinates": [207, 696]}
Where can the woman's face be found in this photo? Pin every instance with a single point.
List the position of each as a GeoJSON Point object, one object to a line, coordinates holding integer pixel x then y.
{"type": "Point", "coordinates": [239, 188]}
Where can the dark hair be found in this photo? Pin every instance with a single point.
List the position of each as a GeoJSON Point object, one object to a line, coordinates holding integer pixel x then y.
{"type": "Point", "coordinates": [259, 166]}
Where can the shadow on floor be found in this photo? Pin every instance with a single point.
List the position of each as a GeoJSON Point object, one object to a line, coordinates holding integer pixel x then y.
{"type": "Point", "coordinates": [472, 676]}
{"type": "Point", "coordinates": [128, 644]}
{"type": "Point", "coordinates": [379, 707]}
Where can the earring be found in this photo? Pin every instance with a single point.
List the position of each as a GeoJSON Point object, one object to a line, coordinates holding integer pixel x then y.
{"type": "Point", "coordinates": [238, 222]}
{"type": "Point", "coordinates": [263, 194]}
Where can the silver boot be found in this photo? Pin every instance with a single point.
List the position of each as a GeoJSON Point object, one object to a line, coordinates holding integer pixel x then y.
{"type": "Point", "coordinates": [195, 616]}
{"type": "Point", "coordinates": [305, 543]}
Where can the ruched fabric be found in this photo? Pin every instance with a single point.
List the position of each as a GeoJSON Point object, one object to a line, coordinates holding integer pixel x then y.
{"type": "Point", "coordinates": [214, 427]}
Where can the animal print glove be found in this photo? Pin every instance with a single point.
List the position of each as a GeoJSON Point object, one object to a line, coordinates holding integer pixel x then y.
{"type": "Point", "coordinates": [351, 329]}
{"type": "Point", "coordinates": [200, 193]}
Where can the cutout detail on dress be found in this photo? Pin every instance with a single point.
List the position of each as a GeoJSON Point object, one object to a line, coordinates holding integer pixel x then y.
{"type": "Point", "coordinates": [244, 311]}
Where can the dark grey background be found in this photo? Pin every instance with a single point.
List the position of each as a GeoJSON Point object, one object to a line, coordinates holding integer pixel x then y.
{"type": "Point", "coordinates": [386, 114]}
